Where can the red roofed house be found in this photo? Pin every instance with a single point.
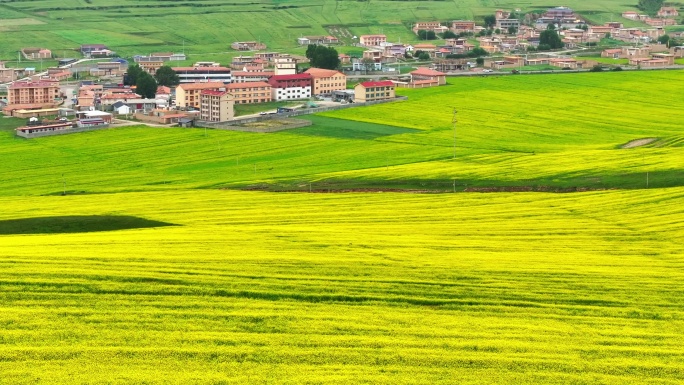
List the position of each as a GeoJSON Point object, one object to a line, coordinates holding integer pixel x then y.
{"type": "Point", "coordinates": [216, 105]}
{"type": "Point", "coordinates": [423, 73]}
{"type": "Point", "coordinates": [327, 81]}
{"type": "Point", "coordinates": [288, 87]}
{"type": "Point", "coordinates": [371, 91]}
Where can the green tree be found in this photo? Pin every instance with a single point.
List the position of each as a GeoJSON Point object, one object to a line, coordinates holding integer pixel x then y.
{"type": "Point", "coordinates": [132, 75]}
{"type": "Point", "coordinates": [490, 21]}
{"type": "Point", "coordinates": [426, 35]}
{"type": "Point", "coordinates": [477, 52]}
{"type": "Point", "coordinates": [321, 56]}
{"type": "Point", "coordinates": [146, 86]}
{"type": "Point", "coordinates": [479, 61]}
{"type": "Point", "coordinates": [449, 35]}
{"type": "Point", "coordinates": [512, 30]}
{"type": "Point", "coordinates": [551, 39]}
{"type": "Point", "coordinates": [664, 39]}
{"type": "Point", "coordinates": [166, 76]}
{"type": "Point", "coordinates": [424, 56]}
{"type": "Point", "coordinates": [650, 6]}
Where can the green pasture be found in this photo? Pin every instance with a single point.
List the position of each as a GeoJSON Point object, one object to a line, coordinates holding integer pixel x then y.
{"type": "Point", "coordinates": [543, 131]}
{"type": "Point", "coordinates": [208, 27]}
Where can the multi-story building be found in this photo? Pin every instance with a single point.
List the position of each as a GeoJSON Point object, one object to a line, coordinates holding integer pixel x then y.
{"type": "Point", "coordinates": [188, 95]}
{"type": "Point", "coordinates": [199, 74]}
{"type": "Point", "coordinates": [39, 93]}
{"type": "Point", "coordinates": [372, 40]}
{"type": "Point", "coordinates": [505, 24]}
{"type": "Point", "coordinates": [371, 91]}
{"type": "Point", "coordinates": [289, 87]}
{"type": "Point", "coordinates": [434, 26]}
{"type": "Point", "coordinates": [458, 26]}
{"type": "Point", "coordinates": [285, 65]}
{"type": "Point", "coordinates": [249, 93]}
{"type": "Point", "coordinates": [150, 64]}
{"type": "Point", "coordinates": [326, 81]}
{"type": "Point", "coordinates": [216, 105]}
{"type": "Point", "coordinates": [245, 76]}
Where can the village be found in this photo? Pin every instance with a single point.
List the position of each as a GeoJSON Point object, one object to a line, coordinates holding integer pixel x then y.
{"type": "Point", "coordinates": [93, 92]}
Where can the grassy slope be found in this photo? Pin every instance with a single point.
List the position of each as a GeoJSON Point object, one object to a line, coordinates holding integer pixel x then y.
{"type": "Point", "coordinates": [348, 288]}
{"type": "Point", "coordinates": [209, 26]}
{"type": "Point", "coordinates": [561, 131]}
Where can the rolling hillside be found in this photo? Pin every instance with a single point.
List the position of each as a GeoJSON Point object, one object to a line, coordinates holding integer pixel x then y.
{"type": "Point", "coordinates": [207, 27]}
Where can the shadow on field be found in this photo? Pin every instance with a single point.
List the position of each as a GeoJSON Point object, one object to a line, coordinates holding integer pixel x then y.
{"type": "Point", "coordinates": [76, 224]}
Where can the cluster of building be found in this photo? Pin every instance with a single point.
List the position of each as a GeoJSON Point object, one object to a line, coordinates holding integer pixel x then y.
{"type": "Point", "coordinates": [647, 56]}
{"type": "Point", "coordinates": [152, 62]}
{"type": "Point", "coordinates": [666, 16]}
{"type": "Point", "coordinates": [318, 40]}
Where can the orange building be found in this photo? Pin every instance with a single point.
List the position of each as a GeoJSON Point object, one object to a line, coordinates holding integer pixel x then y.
{"type": "Point", "coordinates": [326, 81]}
{"type": "Point", "coordinates": [188, 94]}
{"type": "Point", "coordinates": [41, 93]}
{"type": "Point", "coordinates": [250, 92]}
{"type": "Point", "coordinates": [216, 106]}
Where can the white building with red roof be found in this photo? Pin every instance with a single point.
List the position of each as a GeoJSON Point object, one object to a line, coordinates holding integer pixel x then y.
{"type": "Point", "coordinates": [290, 87]}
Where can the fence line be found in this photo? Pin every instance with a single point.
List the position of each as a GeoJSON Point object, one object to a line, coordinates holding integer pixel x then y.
{"type": "Point", "coordinates": [307, 111]}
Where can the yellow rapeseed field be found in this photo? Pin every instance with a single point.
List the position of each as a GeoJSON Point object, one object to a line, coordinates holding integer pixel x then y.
{"type": "Point", "coordinates": [157, 266]}
{"type": "Point", "coordinates": [382, 288]}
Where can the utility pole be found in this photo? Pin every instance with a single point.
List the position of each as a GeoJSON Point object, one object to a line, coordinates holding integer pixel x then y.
{"type": "Point", "coordinates": [454, 121]}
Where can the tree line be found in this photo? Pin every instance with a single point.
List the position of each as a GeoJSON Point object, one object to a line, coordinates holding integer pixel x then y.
{"type": "Point", "coordinates": [145, 84]}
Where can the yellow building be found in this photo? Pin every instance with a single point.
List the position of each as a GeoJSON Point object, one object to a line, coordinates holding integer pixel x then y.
{"type": "Point", "coordinates": [42, 93]}
{"type": "Point", "coordinates": [326, 81]}
{"type": "Point", "coordinates": [371, 91]}
{"type": "Point", "coordinates": [188, 94]}
{"type": "Point", "coordinates": [216, 106]}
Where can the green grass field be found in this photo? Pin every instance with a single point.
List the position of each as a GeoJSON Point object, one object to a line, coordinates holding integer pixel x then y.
{"type": "Point", "coordinates": [161, 266]}
{"type": "Point", "coordinates": [206, 28]}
